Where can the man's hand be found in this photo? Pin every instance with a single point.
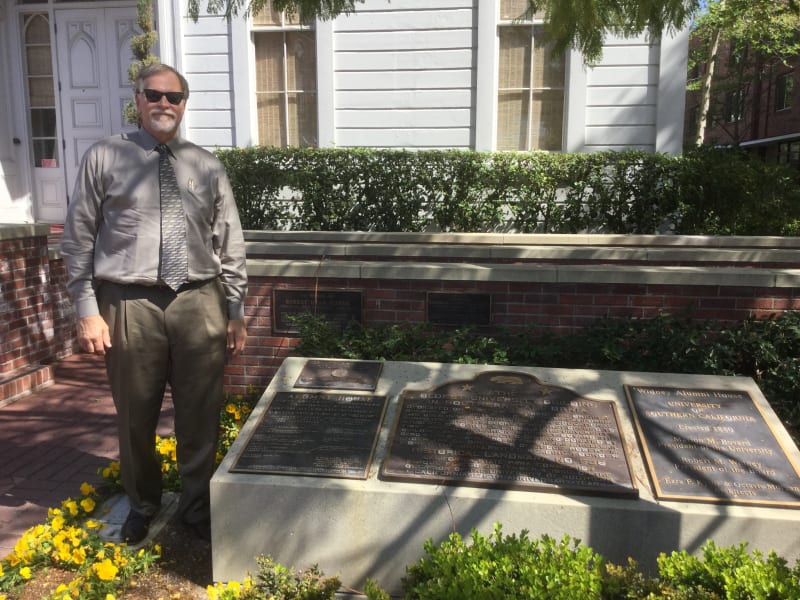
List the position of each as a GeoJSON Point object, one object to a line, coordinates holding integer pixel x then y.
{"type": "Point", "coordinates": [237, 335]}
{"type": "Point", "coordinates": [93, 335]}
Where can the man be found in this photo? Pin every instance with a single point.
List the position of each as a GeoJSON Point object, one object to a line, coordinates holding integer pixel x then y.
{"type": "Point", "coordinates": [156, 320]}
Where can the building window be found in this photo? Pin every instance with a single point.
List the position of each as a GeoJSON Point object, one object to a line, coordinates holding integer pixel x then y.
{"type": "Point", "coordinates": [286, 80]}
{"type": "Point", "coordinates": [784, 88]}
{"type": "Point", "coordinates": [734, 106]}
{"type": "Point", "coordinates": [530, 95]}
{"type": "Point", "coordinates": [40, 90]}
{"type": "Point", "coordinates": [789, 153]}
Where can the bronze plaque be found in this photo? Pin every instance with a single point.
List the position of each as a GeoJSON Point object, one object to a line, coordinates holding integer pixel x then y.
{"type": "Point", "coordinates": [322, 434]}
{"type": "Point", "coordinates": [459, 308]}
{"type": "Point", "coordinates": [340, 374]}
{"type": "Point", "coordinates": [711, 446]}
{"type": "Point", "coordinates": [337, 306]}
{"type": "Point", "coordinates": [509, 430]}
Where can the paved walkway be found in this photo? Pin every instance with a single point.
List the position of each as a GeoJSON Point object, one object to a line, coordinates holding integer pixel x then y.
{"type": "Point", "coordinates": [53, 440]}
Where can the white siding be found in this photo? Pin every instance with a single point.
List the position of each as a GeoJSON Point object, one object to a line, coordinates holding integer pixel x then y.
{"type": "Point", "coordinates": [621, 97]}
{"type": "Point", "coordinates": [404, 74]}
{"type": "Point", "coordinates": [422, 74]}
{"type": "Point", "coordinates": [206, 63]}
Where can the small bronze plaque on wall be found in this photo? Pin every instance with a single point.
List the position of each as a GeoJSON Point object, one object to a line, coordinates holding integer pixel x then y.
{"type": "Point", "coordinates": [336, 306]}
{"type": "Point", "coordinates": [340, 374]}
{"type": "Point", "coordinates": [459, 308]}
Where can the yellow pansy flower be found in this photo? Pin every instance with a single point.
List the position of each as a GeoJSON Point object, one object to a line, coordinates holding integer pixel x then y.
{"type": "Point", "coordinates": [87, 489]}
{"type": "Point", "coordinates": [71, 506]}
{"type": "Point", "coordinates": [79, 556]}
{"type": "Point", "coordinates": [25, 572]}
{"type": "Point", "coordinates": [87, 504]}
{"type": "Point", "coordinates": [64, 552]}
{"type": "Point", "coordinates": [57, 523]}
{"type": "Point", "coordinates": [106, 570]}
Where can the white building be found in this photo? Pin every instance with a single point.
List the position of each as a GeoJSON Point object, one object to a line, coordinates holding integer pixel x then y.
{"type": "Point", "coordinates": [459, 74]}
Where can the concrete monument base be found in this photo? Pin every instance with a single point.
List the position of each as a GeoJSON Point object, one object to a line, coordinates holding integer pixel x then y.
{"type": "Point", "coordinates": [374, 528]}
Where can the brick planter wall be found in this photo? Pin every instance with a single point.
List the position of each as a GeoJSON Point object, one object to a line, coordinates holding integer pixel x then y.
{"type": "Point", "coordinates": [27, 333]}
{"type": "Point", "coordinates": [554, 283]}
{"type": "Point", "coordinates": [560, 308]}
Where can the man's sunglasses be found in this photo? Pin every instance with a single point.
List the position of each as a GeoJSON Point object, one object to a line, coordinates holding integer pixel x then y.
{"type": "Point", "coordinates": [155, 96]}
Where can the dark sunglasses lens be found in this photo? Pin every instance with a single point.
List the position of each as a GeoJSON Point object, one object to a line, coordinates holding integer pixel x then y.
{"type": "Point", "coordinates": [155, 96]}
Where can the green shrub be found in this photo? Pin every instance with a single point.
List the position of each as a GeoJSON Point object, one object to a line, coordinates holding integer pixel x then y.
{"type": "Point", "coordinates": [277, 582]}
{"type": "Point", "coordinates": [498, 566]}
{"type": "Point", "coordinates": [729, 192]}
{"type": "Point", "coordinates": [707, 191]}
{"type": "Point", "coordinates": [502, 567]}
{"type": "Point", "coordinates": [727, 573]}
{"type": "Point", "coordinates": [768, 349]}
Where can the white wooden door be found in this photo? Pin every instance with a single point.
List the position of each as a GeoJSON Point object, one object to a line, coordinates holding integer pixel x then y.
{"type": "Point", "coordinates": [94, 53]}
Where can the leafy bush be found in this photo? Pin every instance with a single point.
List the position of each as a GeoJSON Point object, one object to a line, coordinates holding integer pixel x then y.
{"type": "Point", "coordinates": [509, 567]}
{"type": "Point", "coordinates": [727, 573]}
{"type": "Point", "coordinates": [768, 349]}
{"type": "Point", "coordinates": [505, 567]}
{"type": "Point", "coordinates": [707, 191]}
{"type": "Point", "coordinates": [274, 581]}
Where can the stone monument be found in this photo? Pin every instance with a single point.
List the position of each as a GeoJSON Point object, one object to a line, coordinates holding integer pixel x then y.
{"type": "Point", "coordinates": [353, 465]}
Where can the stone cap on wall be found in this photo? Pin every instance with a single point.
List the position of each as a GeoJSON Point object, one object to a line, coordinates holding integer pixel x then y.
{"type": "Point", "coordinates": [13, 231]}
{"type": "Point", "coordinates": [527, 239]}
{"type": "Point", "coordinates": [765, 262]}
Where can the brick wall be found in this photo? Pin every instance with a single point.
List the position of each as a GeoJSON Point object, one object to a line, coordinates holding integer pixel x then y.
{"type": "Point", "coordinates": [560, 288]}
{"type": "Point", "coordinates": [555, 307]}
{"type": "Point", "coordinates": [29, 338]}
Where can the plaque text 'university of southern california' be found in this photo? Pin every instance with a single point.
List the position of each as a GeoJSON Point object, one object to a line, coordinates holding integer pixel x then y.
{"type": "Point", "coordinates": [712, 446]}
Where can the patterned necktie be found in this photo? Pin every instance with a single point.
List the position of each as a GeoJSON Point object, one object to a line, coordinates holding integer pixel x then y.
{"type": "Point", "coordinates": [174, 261]}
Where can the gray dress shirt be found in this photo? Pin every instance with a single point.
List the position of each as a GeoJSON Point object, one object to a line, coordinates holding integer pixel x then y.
{"type": "Point", "coordinates": [112, 232]}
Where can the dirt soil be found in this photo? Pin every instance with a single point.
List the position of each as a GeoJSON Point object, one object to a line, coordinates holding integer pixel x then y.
{"type": "Point", "coordinates": [183, 572]}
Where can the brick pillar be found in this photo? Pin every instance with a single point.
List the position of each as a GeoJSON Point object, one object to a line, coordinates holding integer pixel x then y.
{"type": "Point", "coordinates": [27, 332]}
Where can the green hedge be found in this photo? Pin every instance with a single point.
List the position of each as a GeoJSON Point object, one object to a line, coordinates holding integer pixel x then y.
{"type": "Point", "coordinates": [511, 567]}
{"type": "Point", "coordinates": [707, 191]}
{"type": "Point", "coordinates": [501, 567]}
{"type": "Point", "coordinates": [768, 349]}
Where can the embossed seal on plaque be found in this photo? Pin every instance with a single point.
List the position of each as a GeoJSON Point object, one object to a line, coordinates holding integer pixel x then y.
{"type": "Point", "coordinates": [340, 374]}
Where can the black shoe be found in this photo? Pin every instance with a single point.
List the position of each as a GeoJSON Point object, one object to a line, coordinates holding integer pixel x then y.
{"type": "Point", "coordinates": [200, 529]}
{"type": "Point", "coordinates": [135, 528]}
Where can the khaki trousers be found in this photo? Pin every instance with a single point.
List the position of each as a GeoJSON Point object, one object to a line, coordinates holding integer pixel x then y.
{"type": "Point", "coordinates": [159, 337]}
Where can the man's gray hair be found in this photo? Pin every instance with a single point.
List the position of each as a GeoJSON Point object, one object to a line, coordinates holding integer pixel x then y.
{"type": "Point", "coordinates": [150, 70]}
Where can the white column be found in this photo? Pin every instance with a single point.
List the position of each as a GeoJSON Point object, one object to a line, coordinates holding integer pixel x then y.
{"type": "Point", "coordinates": [326, 92]}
